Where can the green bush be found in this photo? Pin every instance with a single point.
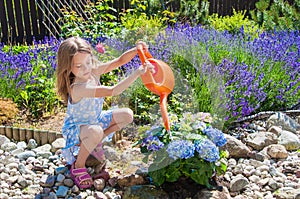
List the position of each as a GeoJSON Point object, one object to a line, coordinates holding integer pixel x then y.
{"type": "Point", "coordinates": [138, 24]}
{"type": "Point", "coordinates": [193, 12]}
{"type": "Point", "coordinates": [40, 97]}
{"type": "Point", "coordinates": [280, 15]}
{"type": "Point", "coordinates": [234, 23]}
{"type": "Point", "coordinates": [140, 27]}
{"type": "Point", "coordinates": [152, 8]}
{"type": "Point", "coordinates": [96, 22]}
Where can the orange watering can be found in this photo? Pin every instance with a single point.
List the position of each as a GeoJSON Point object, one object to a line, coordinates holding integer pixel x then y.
{"type": "Point", "coordinates": [161, 82]}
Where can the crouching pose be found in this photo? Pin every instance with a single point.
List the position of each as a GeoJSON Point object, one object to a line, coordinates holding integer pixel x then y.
{"type": "Point", "coordinates": [86, 124]}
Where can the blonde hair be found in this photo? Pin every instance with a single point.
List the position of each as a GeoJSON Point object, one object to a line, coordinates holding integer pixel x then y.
{"type": "Point", "coordinates": [66, 51]}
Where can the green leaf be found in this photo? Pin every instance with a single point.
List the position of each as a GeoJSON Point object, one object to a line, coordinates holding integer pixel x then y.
{"type": "Point", "coordinates": [158, 176]}
{"type": "Point", "coordinates": [144, 149]}
{"type": "Point", "coordinates": [145, 159]}
{"type": "Point", "coordinates": [194, 136]}
{"type": "Point", "coordinates": [200, 177]}
{"type": "Point", "coordinates": [173, 175]}
{"type": "Point", "coordinates": [157, 131]}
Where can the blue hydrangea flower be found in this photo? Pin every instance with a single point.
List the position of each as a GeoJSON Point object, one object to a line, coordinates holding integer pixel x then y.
{"type": "Point", "coordinates": [152, 143]}
{"type": "Point", "coordinates": [207, 150]}
{"type": "Point", "coordinates": [182, 149]}
{"type": "Point", "coordinates": [199, 125]}
{"type": "Point", "coordinates": [215, 135]}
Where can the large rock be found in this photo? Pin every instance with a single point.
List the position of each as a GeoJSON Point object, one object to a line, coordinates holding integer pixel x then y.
{"type": "Point", "coordinates": [58, 144]}
{"type": "Point", "coordinates": [281, 119]}
{"type": "Point", "coordinates": [277, 151]}
{"type": "Point", "coordinates": [238, 183]}
{"type": "Point", "coordinates": [130, 180]}
{"type": "Point", "coordinates": [289, 140]}
{"type": "Point", "coordinates": [235, 147]}
{"type": "Point", "coordinates": [260, 140]}
{"type": "Point", "coordinates": [3, 140]}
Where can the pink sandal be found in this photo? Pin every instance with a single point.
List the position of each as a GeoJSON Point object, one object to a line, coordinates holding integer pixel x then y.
{"type": "Point", "coordinates": [81, 175]}
{"type": "Point", "coordinates": [98, 152]}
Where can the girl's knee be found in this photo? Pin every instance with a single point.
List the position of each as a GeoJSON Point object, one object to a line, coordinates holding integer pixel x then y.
{"type": "Point", "coordinates": [128, 115]}
{"type": "Point", "coordinates": [92, 132]}
{"type": "Point", "coordinates": [123, 116]}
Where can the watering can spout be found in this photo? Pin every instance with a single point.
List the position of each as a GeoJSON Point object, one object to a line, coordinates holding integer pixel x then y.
{"type": "Point", "coordinates": [161, 82]}
{"type": "Point", "coordinates": [163, 110]}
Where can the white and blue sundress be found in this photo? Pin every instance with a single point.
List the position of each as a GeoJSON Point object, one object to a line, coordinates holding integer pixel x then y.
{"type": "Point", "coordinates": [88, 111]}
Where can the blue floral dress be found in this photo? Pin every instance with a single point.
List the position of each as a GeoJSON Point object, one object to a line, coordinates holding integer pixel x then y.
{"type": "Point", "coordinates": [88, 111]}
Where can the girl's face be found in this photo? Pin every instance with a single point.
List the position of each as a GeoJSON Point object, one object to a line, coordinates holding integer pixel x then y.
{"type": "Point", "coordinates": [82, 65]}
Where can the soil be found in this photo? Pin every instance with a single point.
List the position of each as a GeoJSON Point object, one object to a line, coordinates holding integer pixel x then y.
{"type": "Point", "coordinates": [187, 188]}
{"type": "Point", "coordinates": [53, 121]}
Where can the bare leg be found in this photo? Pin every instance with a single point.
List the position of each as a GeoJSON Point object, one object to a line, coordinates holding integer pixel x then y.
{"type": "Point", "coordinates": [121, 117]}
{"type": "Point", "coordinates": [90, 136]}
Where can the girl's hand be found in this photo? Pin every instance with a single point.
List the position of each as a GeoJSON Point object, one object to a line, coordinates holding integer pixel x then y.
{"type": "Point", "coordinates": [147, 66]}
{"type": "Point", "coordinates": [142, 45]}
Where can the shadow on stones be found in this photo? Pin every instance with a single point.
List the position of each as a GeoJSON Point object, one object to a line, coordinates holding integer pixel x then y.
{"type": "Point", "coordinates": [187, 188]}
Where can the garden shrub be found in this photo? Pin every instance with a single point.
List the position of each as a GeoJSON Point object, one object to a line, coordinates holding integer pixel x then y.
{"type": "Point", "coordinates": [138, 25]}
{"type": "Point", "coordinates": [8, 110]}
{"type": "Point", "coordinates": [188, 150]}
{"type": "Point", "coordinates": [40, 97]}
{"type": "Point", "coordinates": [156, 8]}
{"type": "Point", "coordinates": [193, 12]}
{"type": "Point", "coordinates": [279, 14]}
{"type": "Point", "coordinates": [145, 105]}
{"type": "Point", "coordinates": [234, 24]}
{"type": "Point", "coordinates": [97, 21]}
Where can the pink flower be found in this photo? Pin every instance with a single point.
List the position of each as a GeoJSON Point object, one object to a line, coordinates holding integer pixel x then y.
{"type": "Point", "coordinates": [100, 48]}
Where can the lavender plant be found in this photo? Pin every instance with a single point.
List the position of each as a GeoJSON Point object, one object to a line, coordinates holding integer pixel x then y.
{"type": "Point", "coordinates": [249, 74]}
{"type": "Point", "coordinates": [231, 76]}
{"type": "Point", "coordinates": [27, 75]}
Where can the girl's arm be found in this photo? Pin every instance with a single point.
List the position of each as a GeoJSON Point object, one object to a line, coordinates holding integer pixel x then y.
{"type": "Point", "coordinates": [115, 63]}
{"type": "Point", "coordinates": [123, 59]}
{"type": "Point", "coordinates": [84, 90]}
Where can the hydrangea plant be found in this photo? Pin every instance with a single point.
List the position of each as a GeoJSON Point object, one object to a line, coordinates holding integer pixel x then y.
{"type": "Point", "coordinates": [190, 149]}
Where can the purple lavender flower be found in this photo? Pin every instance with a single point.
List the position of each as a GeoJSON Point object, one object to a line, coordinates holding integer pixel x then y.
{"type": "Point", "coordinates": [215, 135]}
{"type": "Point", "coordinates": [152, 143]}
{"type": "Point", "coordinates": [182, 149]}
{"type": "Point", "coordinates": [207, 150]}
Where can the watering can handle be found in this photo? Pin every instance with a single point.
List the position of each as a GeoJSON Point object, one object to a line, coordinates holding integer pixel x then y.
{"type": "Point", "coordinates": [144, 54]}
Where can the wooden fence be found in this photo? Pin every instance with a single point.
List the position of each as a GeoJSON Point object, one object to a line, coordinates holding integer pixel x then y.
{"type": "Point", "coordinates": [23, 20]}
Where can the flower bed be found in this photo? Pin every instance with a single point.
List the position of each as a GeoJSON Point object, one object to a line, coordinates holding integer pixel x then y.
{"type": "Point", "coordinates": [189, 149]}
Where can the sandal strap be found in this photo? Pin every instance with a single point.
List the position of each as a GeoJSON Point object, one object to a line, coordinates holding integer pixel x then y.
{"type": "Point", "coordinates": [78, 171]}
{"type": "Point", "coordinates": [84, 177]}
{"type": "Point", "coordinates": [81, 175]}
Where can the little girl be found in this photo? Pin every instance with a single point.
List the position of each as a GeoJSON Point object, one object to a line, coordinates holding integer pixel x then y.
{"type": "Point", "coordinates": [86, 124]}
